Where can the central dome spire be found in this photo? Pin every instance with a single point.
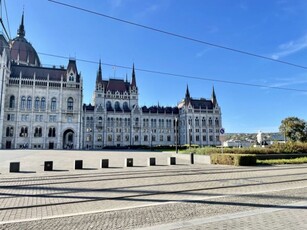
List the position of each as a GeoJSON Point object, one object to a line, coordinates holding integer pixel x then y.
{"type": "Point", "coordinates": [21, 31]}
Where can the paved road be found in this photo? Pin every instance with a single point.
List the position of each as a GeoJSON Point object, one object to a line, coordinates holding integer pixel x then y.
{"type": "Point", "coordinates": [162, 197]}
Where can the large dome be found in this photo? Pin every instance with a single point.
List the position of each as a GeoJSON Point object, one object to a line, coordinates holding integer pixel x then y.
{"type": "Point", "coordinates": [22, 52]}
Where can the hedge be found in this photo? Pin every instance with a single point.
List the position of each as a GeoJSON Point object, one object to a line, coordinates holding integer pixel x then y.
{"type": "Point", "coordinates": [234, 159]}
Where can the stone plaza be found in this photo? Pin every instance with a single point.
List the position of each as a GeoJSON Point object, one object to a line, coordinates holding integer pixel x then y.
{"type": "Point", "coordinates": [180, 196]}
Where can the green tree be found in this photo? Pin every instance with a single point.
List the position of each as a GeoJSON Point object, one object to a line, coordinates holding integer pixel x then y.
{"type": "Point", "coordinates": [294, 129]}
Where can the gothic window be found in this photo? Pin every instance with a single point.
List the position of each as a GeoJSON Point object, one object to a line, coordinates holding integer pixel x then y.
{"type": "Point", "coordinates": [36, 103]}
{"type": "Point", "coordinates": [161, 137]}
{"type": "Point", "coordinates": [196, 121]}
{"type": "Point", "coordinates": [109, 137]}
{"type": "Point", "coordinates": [53, 104]}
{"type": "Point", "coordinates": [71, 77]}
{"type": "Point", "coordinates": [145, 138]}
{"type": "Point", "coordinates": [12, 102]}
{"type": "Point", "coordinates": [125, 106]}
{"type": "Point", "coordinates": [210, 121]}
{"type": "Point", "coordinates": [29, 103]}
{"type": "Point", "coordinates": [203, 122]}
{"type": "Point", "coordinates": [23, 131]}
{"type": "Point", "coordinates": [51, 132]}
{"type": "Point", "coordinates": [153, 138]}
{"type": "Point", "coordinates": [43, 104]}
{"type": "Point", "coordinates": [23, 103]}
{"type": "Point", "coordinates": [118, 138]}
{"type": "Point", "coordinates": [70, 104]}
{"type": "Point", "coordinates": [9, 131]}
{"type": "Point", "coordinates": [216, 122]}
{"type": "Point", "coordinates": [136, 138]}
{"type": "Point", "coordinates": [168, 138]}
{"type": "Point", "coordinates": [37, 132]}
{"type": "Point", "coordinates": [99, 137]}
{"type": "Point", "coordinates": [127, 138]}
{"type": "Point", "coordinates": [109, 105]}
{"type": "Point", "coordinates": [117, 106]}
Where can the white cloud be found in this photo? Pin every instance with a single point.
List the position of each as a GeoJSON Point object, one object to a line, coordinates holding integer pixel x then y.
{"type": "Point", "coordinates": [291, 47]}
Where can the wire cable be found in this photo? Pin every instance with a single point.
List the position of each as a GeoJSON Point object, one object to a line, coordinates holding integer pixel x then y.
{"type": "Point", "coordinates": [178, 75]}
{"type": "Point", "coordinates": [179, 36]}
{"type": "Point", "coordinates": [7, 18]}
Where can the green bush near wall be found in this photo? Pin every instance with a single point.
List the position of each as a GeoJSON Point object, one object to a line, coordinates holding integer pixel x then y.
{"type": "Point", "coordinates": [234, 159]}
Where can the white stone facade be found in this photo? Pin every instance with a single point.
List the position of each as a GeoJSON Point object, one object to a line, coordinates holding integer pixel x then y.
{"type": "Point", "coordinates": [42, 108]}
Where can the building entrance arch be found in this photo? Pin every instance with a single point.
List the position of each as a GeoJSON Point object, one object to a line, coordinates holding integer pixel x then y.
{"type": "Point", "coordinates": [68, 139]}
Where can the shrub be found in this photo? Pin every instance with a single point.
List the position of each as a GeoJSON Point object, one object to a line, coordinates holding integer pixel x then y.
{"type": "Point", "coordinates": [233, 159]}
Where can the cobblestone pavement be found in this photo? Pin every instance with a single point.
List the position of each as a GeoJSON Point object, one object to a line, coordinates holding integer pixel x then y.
{"type": "Point", "coordinates": [162, 197]}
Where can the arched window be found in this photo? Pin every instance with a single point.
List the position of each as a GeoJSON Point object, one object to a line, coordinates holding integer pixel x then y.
{"type": "Point", "coordinates": [117, 106]}
{"type": "Point", "coordinates": [210, 121]}
{"type": "Point", "coordinates": [29, 103]}
{"type": "Point", "coordinates": [12, 102]}
{"type": "Point", "coordinates": [51, 132]}
{"type": "Point", "coordinates": [23, 131]}
{"type": "Point", "coordinates": [70, 103]}
{"type": "Point", "coordinates": [109, 105]}
{"type": "Point", "coordinates": [196, 121]}
{"type": "Point", "coordinates": [9, 131]}
{"type": "Point", "coordinates": [125, 106]}
{"type": "Point", "coordinates": [217, 122]}
{"type": "Point", "coordinates": [71, 77]}
{"type": "Point", "coordinates": [36, 103]}
{"type": "Point", "coordinates": [203, 122]}
{"type": "Point", "coordinates": [53, 104]}
{"type": "Point", "coordinates": [43, 104]}
{"type": "Point", "coordinates": [38, 132]}
{"type": "Point", "coordinates": [23, 103]}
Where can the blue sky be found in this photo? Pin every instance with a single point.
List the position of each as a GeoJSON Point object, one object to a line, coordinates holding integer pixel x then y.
{"type": "Point", "coordinates": [275, 28]}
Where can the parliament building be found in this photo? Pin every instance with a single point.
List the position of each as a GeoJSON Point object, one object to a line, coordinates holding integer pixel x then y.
{"type": "Point", "coordinates": [42, 108]}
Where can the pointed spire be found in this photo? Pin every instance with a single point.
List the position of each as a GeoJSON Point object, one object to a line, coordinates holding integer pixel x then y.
{"type": "Point", "coordinates": [21, 31]}
{"type": "Point", "coordinates": [187, 96]}
{"type": "Point", "coordinates": [187, 93]}
{"type": "Point", "coordinates": [99, 73]}
{"type": "Point", "coordinates": [133, 81]}
{"type": "Point", "coordinates": [213, 97]}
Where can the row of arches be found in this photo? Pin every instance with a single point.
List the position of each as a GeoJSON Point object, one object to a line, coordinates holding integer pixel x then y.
{"type": "Point", "coordinates": [24, 131]}
{"type": "Point", "coordinates": [39, 103]}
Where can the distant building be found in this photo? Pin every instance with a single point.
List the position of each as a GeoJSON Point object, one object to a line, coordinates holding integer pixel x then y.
{"type": "Point", "coordinates": [115, 118]}
{"type": "Point", "coordinates": [41, 108]}
{"type": "Point", "coordinates": [238, 143]}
